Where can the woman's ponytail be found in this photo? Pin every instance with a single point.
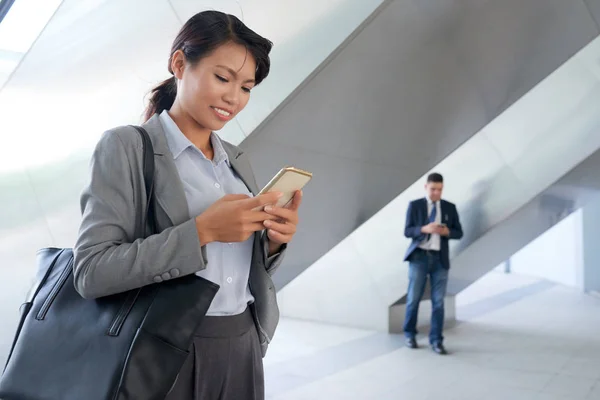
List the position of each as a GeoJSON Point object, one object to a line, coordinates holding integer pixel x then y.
{"type": "Point", "coordinates": [162, 98]}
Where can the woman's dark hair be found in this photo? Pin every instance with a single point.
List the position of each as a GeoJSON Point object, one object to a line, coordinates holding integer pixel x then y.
{"type": "Point", "coordinates": [201, 35]}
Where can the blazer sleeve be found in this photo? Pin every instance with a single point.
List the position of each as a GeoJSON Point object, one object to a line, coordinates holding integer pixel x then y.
{"type": "Point", "coordinates": [411, 229]}
{"type": "Point", "coordinates": [456, 231]}
{"type": "Point", "coordinates": [107, 259]}
{"type": "Point", "coordinates": [274, 261]}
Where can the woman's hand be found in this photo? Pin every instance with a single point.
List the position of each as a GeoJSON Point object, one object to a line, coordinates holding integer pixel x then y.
{"type": "Point", "coordinates": [234, 217]}
{"type": "Point", "coordinates": [282, 227]}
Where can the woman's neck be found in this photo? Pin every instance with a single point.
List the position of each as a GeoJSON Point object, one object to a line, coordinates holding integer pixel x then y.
{"type": "Point", "coordinates": [196, 134]}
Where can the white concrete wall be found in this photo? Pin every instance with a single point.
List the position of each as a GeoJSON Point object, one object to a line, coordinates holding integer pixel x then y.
{"type": "Point", "coordinates": [556, 255]}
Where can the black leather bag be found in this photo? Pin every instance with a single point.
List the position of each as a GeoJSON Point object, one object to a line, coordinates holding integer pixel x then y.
{"type": "Point", "coordinates": [121, 347]}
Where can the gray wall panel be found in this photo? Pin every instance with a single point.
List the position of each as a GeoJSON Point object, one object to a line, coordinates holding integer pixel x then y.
{"type": "Point", "coordinates": [594, 8]}
{"type": "Point", "coordinates": [335, 188]}
{"type": "Point", "coordinates": [410, 87]}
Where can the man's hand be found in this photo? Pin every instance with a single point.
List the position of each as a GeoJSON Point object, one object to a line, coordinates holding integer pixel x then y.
{"type": "Point", "coordinates": [443, 230]}
{"type": "Point", "coordinates": [430, 228]}
{"type": "Point", "coordinates": [282, 229]}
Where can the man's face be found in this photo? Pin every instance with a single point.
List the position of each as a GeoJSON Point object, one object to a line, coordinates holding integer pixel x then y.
{"type": "Point", "coordinates": [434, 190]}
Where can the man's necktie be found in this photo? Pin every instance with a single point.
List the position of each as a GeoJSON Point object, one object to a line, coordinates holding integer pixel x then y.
{"type": "Point", "coordinates": [432, 217]}
{"type": "Point", "coordinates": [433, 213]}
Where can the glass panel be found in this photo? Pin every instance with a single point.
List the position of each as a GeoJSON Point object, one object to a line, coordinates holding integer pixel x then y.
{"type": "Point", "coordinates": [19, 29]}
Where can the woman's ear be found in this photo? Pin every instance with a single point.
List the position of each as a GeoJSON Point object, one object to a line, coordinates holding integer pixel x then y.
{"type": "Point", "coordinates": [178, 64]}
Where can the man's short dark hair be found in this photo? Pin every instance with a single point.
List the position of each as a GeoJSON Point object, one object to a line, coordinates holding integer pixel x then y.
{"type": "Point", "coordinates": [435, 178]}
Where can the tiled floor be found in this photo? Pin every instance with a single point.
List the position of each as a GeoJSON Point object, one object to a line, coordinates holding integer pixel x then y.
{"type": "Point", "coordinates": [521, 340]}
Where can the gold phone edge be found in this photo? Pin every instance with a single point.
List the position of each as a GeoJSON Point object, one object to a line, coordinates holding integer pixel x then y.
{"type": "Point", "coordinates": [298, 170]}
{"type": "Point", "coordinates": [282, 171]}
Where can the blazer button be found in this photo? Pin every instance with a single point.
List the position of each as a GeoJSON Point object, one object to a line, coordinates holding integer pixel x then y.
{"type": "Point", "coordinates": [158, 279]}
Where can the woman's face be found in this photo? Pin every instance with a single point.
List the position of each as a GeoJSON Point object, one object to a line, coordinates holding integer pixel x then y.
{"type": "Point", "coordinates": [217, 88]}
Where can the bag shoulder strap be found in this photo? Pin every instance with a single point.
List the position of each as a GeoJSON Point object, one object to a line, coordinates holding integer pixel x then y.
{"type": "Point", "coordinates": [148, 161]}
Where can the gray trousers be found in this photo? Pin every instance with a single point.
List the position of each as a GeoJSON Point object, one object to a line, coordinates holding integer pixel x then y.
{"type": "Point", "coordinates": [225, 362]}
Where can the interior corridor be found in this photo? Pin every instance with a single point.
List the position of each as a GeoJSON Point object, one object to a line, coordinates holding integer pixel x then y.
{"type": "Point", "coordinates": [517, 338]}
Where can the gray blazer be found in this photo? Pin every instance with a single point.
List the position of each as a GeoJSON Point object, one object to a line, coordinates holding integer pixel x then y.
{"type": "Point", "coordinates": [108, 257]}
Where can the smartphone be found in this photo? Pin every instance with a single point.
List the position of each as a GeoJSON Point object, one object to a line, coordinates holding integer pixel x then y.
{"type": "Point", "coordinates": [287, 181]}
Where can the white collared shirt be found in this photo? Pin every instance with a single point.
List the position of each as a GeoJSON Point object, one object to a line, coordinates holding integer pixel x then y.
{"type": "Point", "coordinates": [434, 242]}
{"type": "Point", "coordinates": [204, 182]}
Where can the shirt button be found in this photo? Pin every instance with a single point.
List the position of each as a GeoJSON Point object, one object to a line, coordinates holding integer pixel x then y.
{"type": "Point", "coordinates": [217, 185]}
{"type": "Point", "coordinates": [229, 280]}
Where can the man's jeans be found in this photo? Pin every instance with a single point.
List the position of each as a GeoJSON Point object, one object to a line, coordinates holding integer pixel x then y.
{"type": "Point", "coordinates": [423, 264]}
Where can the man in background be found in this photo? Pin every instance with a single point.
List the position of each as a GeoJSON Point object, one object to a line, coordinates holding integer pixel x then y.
{"type": "Point", "coordinates": [430, 222]}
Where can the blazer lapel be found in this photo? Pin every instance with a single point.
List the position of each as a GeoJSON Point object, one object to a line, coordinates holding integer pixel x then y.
{"type": "Point", "coordinates": [444, 210]}
{"type": "Point", "coordinates": [241, 166]}
{"type": "Point", "coordinates": [425, 208]}
{"type": "Point", "coordinates": [169, 192]}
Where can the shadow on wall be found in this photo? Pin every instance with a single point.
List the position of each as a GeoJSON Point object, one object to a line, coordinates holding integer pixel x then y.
{"type": "Point", "coordinates": [473, 216]}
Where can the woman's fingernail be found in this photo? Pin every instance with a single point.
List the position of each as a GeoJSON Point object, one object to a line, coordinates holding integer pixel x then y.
{"type": "Point", "coordinates": [268, 224]}
{"type": "Point", "coordinates": [269, 208]}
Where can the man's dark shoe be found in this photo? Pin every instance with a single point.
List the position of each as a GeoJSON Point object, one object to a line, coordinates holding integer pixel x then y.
{"type": "Point", "coordinates": [439, 348]}
{"type": "Point", "coordinates": [411, 343]}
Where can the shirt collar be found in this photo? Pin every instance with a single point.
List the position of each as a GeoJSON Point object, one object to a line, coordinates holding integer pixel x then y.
{"type": "Point", "coordinates": [220, 153]}
{"type": "Point", "coordinates": [431, 202]}
{"type": "Point", "coordinates": [178, 142]}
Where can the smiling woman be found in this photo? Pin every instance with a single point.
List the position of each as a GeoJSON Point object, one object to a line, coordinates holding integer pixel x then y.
{"type": "Point", "coordinates": [210, 220]}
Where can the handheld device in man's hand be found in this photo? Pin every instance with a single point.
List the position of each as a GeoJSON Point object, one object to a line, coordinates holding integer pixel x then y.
{"type": "Point", "coordinates": [287, 181]}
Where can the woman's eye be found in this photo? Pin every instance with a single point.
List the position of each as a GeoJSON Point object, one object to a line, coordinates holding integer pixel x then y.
{"type": "Point", "coordinates": [247, 90]}
{"type": "Point", "coordinates": [219, 77]}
